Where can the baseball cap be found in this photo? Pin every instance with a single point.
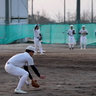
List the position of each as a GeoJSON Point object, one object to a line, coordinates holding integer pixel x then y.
{"type": "Point", "coordinates": [36, 25]}
{"type": "Point", "coordinates": [31, 48]}
{"type": "Point", "coordinates": [71, 25]}
{"type": "Point", "coordinates": [83, 25]}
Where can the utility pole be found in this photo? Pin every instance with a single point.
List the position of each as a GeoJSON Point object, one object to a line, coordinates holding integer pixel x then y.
{"type": "Point", "coordinates": [32, 17]}
{"type": "Point", "coordinates": [91, 11]}
{"type": "Point", "coordinates": [18, 12]}
{"type": "Point", "coordinates": [64, 10]}
{"type": "Point", "coordinates": [38, 15]}
{"type": "Point", "coordinates": [78, 11]}
{"type": "Point", "coordinates": [7, 12]}
{"type": "Point", "coordinates": [78, 16]}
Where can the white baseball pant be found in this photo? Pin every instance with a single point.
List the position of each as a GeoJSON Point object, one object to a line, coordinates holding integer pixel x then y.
{"type": "Point", "coordinates": [17, 71]}
{"type": "Point", "coordinates": [71, 41]}
{"type": "Point", "coordinates": [36, 44]}
{"type": "Point", "coordinates": [83, 39]}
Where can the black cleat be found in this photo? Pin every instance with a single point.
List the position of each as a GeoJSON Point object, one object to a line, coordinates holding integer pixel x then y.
{"type": "Point", "coordinates": [72, 48]}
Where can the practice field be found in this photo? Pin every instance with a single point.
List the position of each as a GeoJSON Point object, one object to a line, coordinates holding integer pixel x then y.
{"type": "Point", "coordinates": [68, 72]}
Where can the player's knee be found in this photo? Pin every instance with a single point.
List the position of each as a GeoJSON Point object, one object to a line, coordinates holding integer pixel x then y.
{"type": "Point", "coordinates": [26, 74]}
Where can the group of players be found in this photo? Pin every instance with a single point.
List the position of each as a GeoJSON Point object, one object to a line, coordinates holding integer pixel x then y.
{"type": "Point", "coordinates": [71, 32]}
{"type": "Point", "coordinates": [14, 65]}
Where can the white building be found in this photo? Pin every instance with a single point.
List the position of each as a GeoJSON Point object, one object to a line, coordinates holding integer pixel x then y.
{"type": "Point", "coordinates": [14, 11]}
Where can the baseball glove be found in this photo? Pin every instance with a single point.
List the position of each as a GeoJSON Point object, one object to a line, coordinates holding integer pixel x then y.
{"type": "Point", "coordinates": [35, 84]}
{"type": "Point", "coordinates": [40, 37]}
{"type": "Point", "coordinates": [83, 33]}
{"type": "Point", "coordinates": [73, 31]}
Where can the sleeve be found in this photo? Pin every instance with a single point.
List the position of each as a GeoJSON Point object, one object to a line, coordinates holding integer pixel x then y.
{"type": "Point", "coordinates": [40, 34]}
{"type": "Point", "coordinates": [74, 32]}
{"type": "Point", "coordinates": [30, 60]}
{"type": "Point", "coordinates": [80, 32]}
{"type": "Point", "coordinates": [35, 70]}
{"type": "Point", "coordinates": [86, 32]}
{"type": "Point", "coordinates": [68, 32]}
{"type": "Point", "coordinates": [26, 68]}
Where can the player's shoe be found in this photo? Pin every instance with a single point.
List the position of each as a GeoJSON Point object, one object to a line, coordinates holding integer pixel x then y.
{"type": "Point", "coordinates": [72, 48]}
{"type": "Point", "coordinates": [18, 91]}
{"type": "Point", "coordinates": [35, 53]}
{"type": "Point", "coordinates": [28, 84]}
{"type": "Point", "coordinates": [42, 53]}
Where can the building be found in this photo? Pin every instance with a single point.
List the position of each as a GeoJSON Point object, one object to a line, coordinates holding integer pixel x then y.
{"type": "Point", "coordinates": [14, 12]}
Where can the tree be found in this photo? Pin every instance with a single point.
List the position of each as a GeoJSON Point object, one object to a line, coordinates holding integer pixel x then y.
{"type": "Point", "coordinates": [59, 17]}
{"type": "Point", "coordinates": [86, 17]}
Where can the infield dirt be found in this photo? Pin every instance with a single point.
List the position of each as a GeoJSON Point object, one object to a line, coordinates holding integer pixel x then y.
{"type": "Point", "coordinates": [68, 72]}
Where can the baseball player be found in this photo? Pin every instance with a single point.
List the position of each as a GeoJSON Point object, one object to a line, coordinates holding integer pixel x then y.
{"type": "Point", "coordinates": [37, 39]}
{"type": "Point", "coordinates": [71, 33]}
{"type": "Point", "coordinates": [83, 38]}
{"type": "Point", "coordinates": [14, 67]}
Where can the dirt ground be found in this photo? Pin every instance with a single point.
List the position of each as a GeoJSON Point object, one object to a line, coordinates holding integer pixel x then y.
{"type": "Point", "coordinates": [68, 72]}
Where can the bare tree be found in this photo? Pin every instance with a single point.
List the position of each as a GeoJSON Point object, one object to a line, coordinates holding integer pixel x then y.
{"type": "Point", "coordinates": [59, 17]}
{"type": "Point", "coordinates": [86, 17]}
{"type": "Point", "coordinates": [45, 15]}
{"type": "Point", "coordinates": [94, 18]}
{"type": "Point", "coordinates": [71, 17]}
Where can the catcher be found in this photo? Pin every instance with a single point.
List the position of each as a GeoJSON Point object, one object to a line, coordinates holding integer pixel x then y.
{"type": "Point", "coordinates": [14, 67]}
{"type": "Point", "coordinates": [37, 39]}
{"type": "Point", "coordinates": [83, 38]}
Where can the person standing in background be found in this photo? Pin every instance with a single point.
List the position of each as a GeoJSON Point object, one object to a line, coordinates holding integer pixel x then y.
{"type": "Point", "coordinates": [83, 38]}
{"type": "Point", "coordinates": [37, 39]}
{"type": "Point", "coordinates": [71, 32]}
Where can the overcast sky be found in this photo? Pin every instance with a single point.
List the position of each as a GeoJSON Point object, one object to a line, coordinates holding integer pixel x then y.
{"type": "Point", "coordinates": [52, 7]}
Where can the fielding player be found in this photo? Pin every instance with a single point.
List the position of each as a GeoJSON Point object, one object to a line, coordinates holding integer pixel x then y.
{"type": "Point", "coordinates": [71, 33]}
{"type": "Point", "coordinates": [83, 38]}
{"type": "Point", "coordinates": [37, 39]}
{"type": "Point", "coordinates": [14, 67]}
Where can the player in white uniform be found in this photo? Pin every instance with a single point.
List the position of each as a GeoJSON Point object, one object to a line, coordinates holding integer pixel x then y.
{"type": "Point", "coordinates": [14, 67]}
{"type": "Point", "coordinates": [37, 39]}
{"type": "Point", "coordinates": [83, 38]}
{"type": "Point", "coordinates": [71, 33]}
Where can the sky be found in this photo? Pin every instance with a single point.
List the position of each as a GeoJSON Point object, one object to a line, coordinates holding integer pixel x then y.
{"type": "Point", "coordinates": [53, 7]}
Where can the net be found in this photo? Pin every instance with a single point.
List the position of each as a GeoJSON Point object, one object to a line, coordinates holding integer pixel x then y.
{"type": "Point", "coordinates": [52, 33]}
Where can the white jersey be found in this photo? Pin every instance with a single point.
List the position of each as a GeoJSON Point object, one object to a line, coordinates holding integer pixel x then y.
{"type": "Point", "coordinates": [36, 33]}
{"type": "Point", "coordinates": [70, 32]}
{"type": "Point", "coordinates": [21, 59]}
{"type": "Point", "coordinates": [83, 32]}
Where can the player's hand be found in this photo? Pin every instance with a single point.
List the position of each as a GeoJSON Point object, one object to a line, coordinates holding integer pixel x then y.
{"type": "Point", "coordinates": [42, 77]}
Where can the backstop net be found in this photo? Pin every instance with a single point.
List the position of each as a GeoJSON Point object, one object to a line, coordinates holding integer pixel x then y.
{"type": "Point", "coordinates": [52, 33]}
